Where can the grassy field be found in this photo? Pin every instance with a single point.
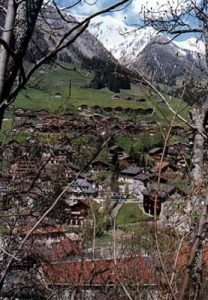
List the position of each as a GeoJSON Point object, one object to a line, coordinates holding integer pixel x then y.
{"type": "Point", "coordinates": [41, 94]}
{"type": "Point", "coordinates": [130, 213]}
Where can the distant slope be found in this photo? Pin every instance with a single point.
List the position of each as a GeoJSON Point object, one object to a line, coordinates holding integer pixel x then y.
{"type": "Point", "coordinates": [164, 62]}
{"type": "Point", "coordinates": [87, 51]}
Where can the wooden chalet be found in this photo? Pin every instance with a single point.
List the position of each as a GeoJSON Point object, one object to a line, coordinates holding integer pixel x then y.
{"type": "Point", "coordinates": [116, 149]}
{"type": "Point", "coordinates": [100, 166]}
{"type": "Point", "coordinates": [22, 168]}
{"type": "Point", "coordinates": [115, 97]}
{"type": "Point", "coordinates": [130, 173]}
{"type": "Point", "coordinates": [81, 188]}
{"type": "Point", "coordinates": [79, 212]}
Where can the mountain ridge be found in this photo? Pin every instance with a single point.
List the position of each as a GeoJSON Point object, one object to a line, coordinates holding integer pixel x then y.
{"type": "Point", "coordinates": [136, 49]}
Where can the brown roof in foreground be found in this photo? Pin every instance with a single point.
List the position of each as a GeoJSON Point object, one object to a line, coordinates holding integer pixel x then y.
{"type": "Point", "coordinates": [42, 230]}
{"type": "Point", "coordinates": [100, 272]}
{"type": "Point", "coordinates": [58, 251]}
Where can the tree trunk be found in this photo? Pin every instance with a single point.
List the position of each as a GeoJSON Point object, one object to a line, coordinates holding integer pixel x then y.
{"type": "Point", "coordinates": [19, 26]}
{"type": "Point", "coordinates": [4, 55]}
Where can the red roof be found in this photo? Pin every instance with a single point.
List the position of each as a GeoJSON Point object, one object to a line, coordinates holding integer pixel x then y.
{"type": "Point", "coordinates": [100, 272]}
{"type": "Point", "coordinates": [59, 251]}
{"type": "Point", "coordinates": [42, 230]}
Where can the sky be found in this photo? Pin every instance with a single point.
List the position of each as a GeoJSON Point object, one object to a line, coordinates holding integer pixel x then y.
{"type": "Point", "coordinates": [131, 13]}
{"type": "Point", "coordinates": [90, 6]}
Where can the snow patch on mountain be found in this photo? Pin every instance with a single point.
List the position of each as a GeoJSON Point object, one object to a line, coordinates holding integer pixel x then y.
{"type": "Point", "coordinates": [123, 41]}
{"type": "Point", "coordinates": [192, 44]}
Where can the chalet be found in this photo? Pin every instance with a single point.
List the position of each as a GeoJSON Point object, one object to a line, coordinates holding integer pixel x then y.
{"type": "Point", "coordinates": [79, 212]}
{"type": "Point", "coordinates": [116, 97]}
{"type": "Point", "coordinates": [150, 205]}
{"type": "Point", "coordinates": [53, 120]}
{"type": "Point", "coordinates": [129, 98]}
{"type": "Point", "coordinates": [144, 177]}
{"type": "Point", "coordinates": [71, 170]}
{"type": "Point", "coordinates": [118, 109]}
{"type": "Point", "coordinates": [100, 166]}
{"type": "Point", "coordinates": [116, 127]}
{"type": "Point", "coordinates": [55, 160]}
{"type": "Point", "coordinates": [148, 111]}
{"type": "Point", "coordinates": [139, 111]}
{"type": "Point", "coordinates": [116, 149]}
{"type": "Point", "coordinates": [96, 109]}
{"type": "Point", "coordinates": [57, 95]}
{"type": "Point", "coordinates": [48, 231]}
{"type": "Point", "coordinates": [155, 151]}
{"type": "Point", "coordinates": [108, 109]}
{"type": "Point", "coordinates": [22, 168]}
{"type": "Point", "coordinates": [126, 160]}
{"type": "Point", "coordinates": [129, 173]}
{"type": "Point", "coordinates": [140, 100]}
{"type": "Point", "coordinates": [126, 110]}
{"type": "Point", "coordinates": [163, 167]}
{"type": "Point", "coordinates": [66, 248]}
{"type": "Point", "coordinates": [132, 129]}
{"type": "Point", "coordinates": [84, 107]}
{"type": "Point", "coordinates": [82, 188]}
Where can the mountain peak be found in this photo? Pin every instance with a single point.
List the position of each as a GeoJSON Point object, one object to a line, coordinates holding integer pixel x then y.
{"type": "Point", "coordinates": [125, 42]}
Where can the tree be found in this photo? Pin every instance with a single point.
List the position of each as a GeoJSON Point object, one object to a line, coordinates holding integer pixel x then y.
{"type": "Point", "coordinates": [19, 19]}
{"type": "Point", "coordinates": [177, 18]}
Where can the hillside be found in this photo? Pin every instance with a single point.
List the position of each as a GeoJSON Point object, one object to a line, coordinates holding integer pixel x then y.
{"type": "Point", "coordinates": [87, 51]}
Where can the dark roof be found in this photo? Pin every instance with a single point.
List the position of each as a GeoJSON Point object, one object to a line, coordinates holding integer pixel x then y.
{"type": "Point", "coordinates": [132, 170]}
{"type": "Point", "coordinates": [100, 162]}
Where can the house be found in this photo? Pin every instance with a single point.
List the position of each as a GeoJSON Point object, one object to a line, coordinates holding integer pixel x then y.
{"type": "Point", "coordinates": [81, 189]}
{"type": "Point", "coordinates": [129, 98]}
{"type": "Point", "coordinates": [126, 160]}
{"type": "Point", "coordinates": [100, 166]}
{"type": "Point", "coordinates": [96, 109]}
{"type": "Point", "coordinates": [118, 109]}
{"type": "Point", "coordinates": [116, 149]}
{"type": "Point", "coordinates": [22, 168]}
{"type": "Point", "coordinates": [83, 107]}
{"type": "Point", "coordinates": [79, 212]}
{"type": "Point", "coordinates": [115, 97]}
{"type": "Point", "coordinates": [163, 167]}
{"type": "Point", "coordinates": [62, 250]}
{"type": "Point", "coordinates": [54, 160]}
{"type": "Point", "coordinates": [129, 173]}
{"type": "Point", "coordinates": [140, 100]}
{"type": "Point", "coordinates": [47, 232]}
{"type": "Point", "coordinates": [57, 95]}
{"type": "Point", "coordinates": [151, 203]}
{"type": "Point", "coordinates": [155, 151]}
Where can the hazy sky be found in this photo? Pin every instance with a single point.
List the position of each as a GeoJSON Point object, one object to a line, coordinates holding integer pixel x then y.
{"type": "Point", "coordinates": [131, 13]}
{"type": "Point", "coordinates": [90, 6]}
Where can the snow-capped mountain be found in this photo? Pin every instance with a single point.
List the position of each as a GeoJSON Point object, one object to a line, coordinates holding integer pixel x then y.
{"type": "Point", "coordinates": [126, 42]}
{"type": "Point", "coordinates": [123, 41]}
{"type": "Point", "coordinates": [142, 49]}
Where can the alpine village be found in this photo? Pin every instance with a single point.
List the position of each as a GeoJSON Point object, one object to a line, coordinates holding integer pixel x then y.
{"type": "Point", "coordinates": [103, 163]}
